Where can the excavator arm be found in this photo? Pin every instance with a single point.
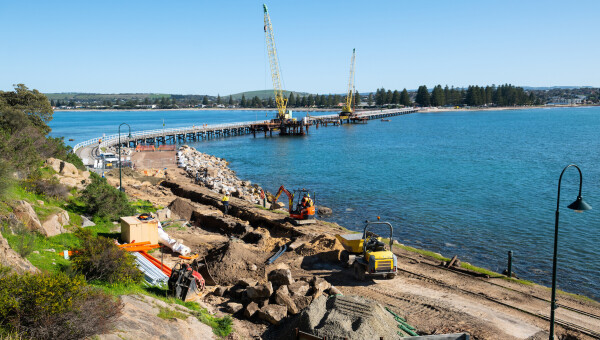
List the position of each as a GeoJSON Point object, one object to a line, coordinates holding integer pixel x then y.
{"type": "Point", "coordinates": [289, 195]}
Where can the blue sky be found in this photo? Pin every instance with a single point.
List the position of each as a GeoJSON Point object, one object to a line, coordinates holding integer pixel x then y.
{"type": "Point", "coordinates": [218, 47]}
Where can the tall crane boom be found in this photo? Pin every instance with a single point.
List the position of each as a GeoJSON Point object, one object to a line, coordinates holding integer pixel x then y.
{"type": "Point", "coordinates": [280, 99]}
{"type": "Point", "coordinates": [347, 109]}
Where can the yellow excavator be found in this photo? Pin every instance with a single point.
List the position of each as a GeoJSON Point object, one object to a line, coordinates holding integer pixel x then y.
{"type": "Point", "coordinates": [366, 253]}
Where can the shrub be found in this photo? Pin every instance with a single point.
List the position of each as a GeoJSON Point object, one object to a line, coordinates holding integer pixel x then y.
{"type": "Point", "coordinates": [25, 239]}
{"type": "Point", "coordinates": [99, 258]}
{"type": "Point", "coordinates": [6, 179]}
{"type": "Point", "coordinates": [48, 187]}
{"type": "Point", "coordinates": [104, 201]}
{"type": "Point", "coordinates": [54, 306]}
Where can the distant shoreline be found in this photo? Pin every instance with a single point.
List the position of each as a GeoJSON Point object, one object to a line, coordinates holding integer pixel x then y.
{"type": "Point", "coordinates": [192, 109]}
{"type": "Point", "coordinates": [498, 108]}
{"type": "Point", "coordinates": [427, 109]}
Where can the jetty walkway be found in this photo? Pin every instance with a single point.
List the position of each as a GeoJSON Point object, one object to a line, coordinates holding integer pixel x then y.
{"type": "Point", "coordinates": [89, 150]}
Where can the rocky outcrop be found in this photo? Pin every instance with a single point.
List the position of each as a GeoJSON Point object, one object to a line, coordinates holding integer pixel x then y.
{"type": "Point", "coordinates": [10, 258]}
{"type": "Point", "coordinates": [213, 173]}
{"type": "Point", "coordinates": [24, 212]}
{"type": "Point", "coordinates": [139, 320]}
{"type": "Point", "coordinates": [55, 223]}
{"type": "Point", "coordinates": [68, 174]}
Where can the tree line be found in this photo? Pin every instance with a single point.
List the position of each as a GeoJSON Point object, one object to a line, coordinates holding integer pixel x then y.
{"type": "Point", "coordinates": [503, 95]}
{"type": "Point", "coordinates": [296, 101]}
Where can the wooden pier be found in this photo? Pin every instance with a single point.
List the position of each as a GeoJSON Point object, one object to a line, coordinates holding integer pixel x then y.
{"type": "Point", "coordinates": [359, 117]}
{"type": "Point", "coordinates": [207, 132]}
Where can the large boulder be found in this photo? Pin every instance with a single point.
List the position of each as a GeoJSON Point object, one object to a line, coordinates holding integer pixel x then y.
{"type": "Point", "coordinates": [10, 258]}
{"type": "Point", "coordinates": [247, 282]}
{"type": "Point", "coordinates": [64, 168]}
{"type": "Point", "coordinates": [302, 301]}
{"type": "Point", "coordinates": [281, 277]}
{"type": "Point", "coordinates": [260, 291]}
{"type": "Point", "coordinates": [298, 288]}
{"type": "Point", "coordinates": [251, 309]}
{"type": "Point", "coordinates": [233, 307]}
{"type": "Point", "coordinates": [282, 297]}
{"type": "Point", "coordinates": [24, 212]}
{"type": "Point", "coordinates": [69, 170]}
{"type": "Point", "coordinates": [273, 313]}
{"type": "Point", "coordinates": [163, 214]}
{"type": "Point", "coordinates": [55, 223]}
{"type": "Point", "coordinates": [320, 284]}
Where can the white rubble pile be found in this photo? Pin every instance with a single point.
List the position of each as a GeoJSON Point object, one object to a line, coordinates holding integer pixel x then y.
{"type": "Point", "coordinates": [213, 173]}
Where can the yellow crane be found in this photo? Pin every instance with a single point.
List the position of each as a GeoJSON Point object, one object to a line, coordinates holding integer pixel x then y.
{"type": "Point", "coordinates": [282, 112]}
{"type": "Point", "coordinates": [347, 110]}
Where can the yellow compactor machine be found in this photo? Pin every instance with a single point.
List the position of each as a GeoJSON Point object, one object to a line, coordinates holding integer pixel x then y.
{"type": "Point", "coordinates": [366, 253]}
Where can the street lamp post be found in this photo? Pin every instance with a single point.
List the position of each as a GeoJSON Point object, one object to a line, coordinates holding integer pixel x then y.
{"type": "Point", "coordinates": [120, 180]}
{"type": "Point", "coordinates": [579, 205]}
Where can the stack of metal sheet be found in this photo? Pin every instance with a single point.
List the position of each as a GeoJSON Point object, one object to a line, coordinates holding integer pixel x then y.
{"type": "Point", "coordinates": [152, 274]}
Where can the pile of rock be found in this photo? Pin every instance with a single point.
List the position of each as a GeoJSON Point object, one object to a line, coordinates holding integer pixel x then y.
{"type": "Point", "coordinates": [279, 297]}
{"type": "Point", "coordinates": [213, 173]}
{"type": "Point", "coordinates": [67, 174]}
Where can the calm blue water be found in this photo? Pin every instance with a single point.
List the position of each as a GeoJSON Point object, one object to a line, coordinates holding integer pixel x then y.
{"type": "Point", "coordinates": [473, 184]}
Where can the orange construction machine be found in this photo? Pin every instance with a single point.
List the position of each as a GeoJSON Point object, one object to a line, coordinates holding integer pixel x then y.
{"type": "Point", "coordinates": [301, 206]}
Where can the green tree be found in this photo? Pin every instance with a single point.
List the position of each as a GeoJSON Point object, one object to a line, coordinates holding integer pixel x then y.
{"type": "Point", "coordinates": [437, 96]}
{"type": "Point", "coordinates": [219, 99]}
{"type": "Point", "coordinates": [405, 98]}
{"type": "Point", "coordinates": [243, 101]}
{"type": "Point", "coordinates": [104, 201]}
{"type": "Point", "coordinates": [230, 100]}
{"type": "Point", "coordinates": [310, 101]}
{"type": "Point", "coordinates": [370, 99]}
{"type": "Point", "coordinates": [395, 97]}
{"type": "Point", "coordinates": [256, 102]}
{"type": "Point", "coordinates": [291, 100]}
{"type": "Point", "coordinates": [336, 99]}
{"type": "Point", "coordinates": [205, 100]}
{"type": "Point", "coordinates": [422, 96]}
{"type": "Point", "coordinates": [357, 98]}
{"type": "Point", "coordinates": [24, 115]}
{"type": "Point", "coordinates": [389, 96]}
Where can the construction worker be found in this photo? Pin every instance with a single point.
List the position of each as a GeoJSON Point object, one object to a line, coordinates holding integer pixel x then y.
{"type": "Point", "coordinates": [304, 201]}
{"type": "Point", "coordinates": [225, 201]}
{"type": "Point", "coordinates": [309, 201]}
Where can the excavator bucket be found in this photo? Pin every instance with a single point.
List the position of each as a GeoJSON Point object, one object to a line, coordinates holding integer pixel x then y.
{"type": "Point", "coordinates": [202, 268]}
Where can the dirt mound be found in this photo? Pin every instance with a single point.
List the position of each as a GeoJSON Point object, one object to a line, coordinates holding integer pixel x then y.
{"type": "Point", "coordinates": [234, 260]}
{"type": "Point", "coordinates": [325, 246]}
{"type": "Point", "coordinates": [143, 176]}
{"type": "Point", "coordinates": [341, 317]}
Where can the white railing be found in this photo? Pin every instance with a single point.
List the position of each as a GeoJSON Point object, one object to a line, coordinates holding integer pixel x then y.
{"type": "Point", "coordinates": [114, 139]}
{"type": "Point", "coordinates": [364, 113]}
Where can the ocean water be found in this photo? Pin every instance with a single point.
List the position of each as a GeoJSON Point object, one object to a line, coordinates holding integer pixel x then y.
{"type": "Point", "coordinates": [472, 184]}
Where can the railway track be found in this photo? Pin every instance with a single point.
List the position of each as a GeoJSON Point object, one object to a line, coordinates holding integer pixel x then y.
{"type": "Point", "coordinates": [572, 309]}
{"type": "Point", "coordinates": [566, 324]}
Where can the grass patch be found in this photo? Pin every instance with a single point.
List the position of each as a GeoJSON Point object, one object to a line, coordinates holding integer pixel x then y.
{"type": "Point", "coordinates": [142, 206]}
{"type": "Point", "coordinates": [175, 226]}
{"type": "Point", "coordinates": [168, 313]}
{"type": "Point", "coordinates": [422, 252]}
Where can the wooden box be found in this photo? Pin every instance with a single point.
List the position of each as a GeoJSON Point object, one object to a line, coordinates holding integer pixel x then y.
{"type": "Point", "coordinates": [134, 229]}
